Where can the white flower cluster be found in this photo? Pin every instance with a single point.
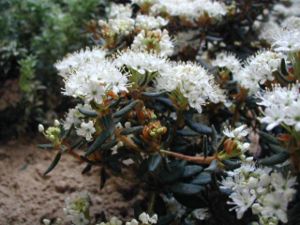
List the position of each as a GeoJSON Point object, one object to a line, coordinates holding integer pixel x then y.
{"type": "Point", "coordinates": [144, 219]}
{"type": "Point", "coordinates": [266, 192]}
{"type": "Point", "coordinates": [77, 209]}
{"type": "Point", "coordinates": [90, 78]}
{"type": "Point", "coordinates": [154, 41]}
{"type": "Point", "coordinates": [193, 82]}
{"type": "Point", "coordinates": [258, 69]}
{"type": "Point", "coordinates": [229, 61]}
{"type": "Point", "coordinates": [281, 106]}
{"type": "Point", "coordinates": [191, 10]}
{"type": "Point", "coordinates": [146, 22]}
{"type": "Point", "coordinates": [76, 60]}
{"type": "Point", "coordinates": [141, 62]}
{"type": "Point", "coordinates": [119, 20]}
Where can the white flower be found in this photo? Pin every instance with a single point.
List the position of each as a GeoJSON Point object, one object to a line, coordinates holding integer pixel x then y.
{"type": "Point", "coordinates": [146, 22]}
{"type": "Point", "coordinates": [281, 106]}
{"type": "Point", "coordinates": [227, 60]}
{"type": "Point", "coordinates": [146, 219]}
{"type": "Point", "coordinates": [154, 41]}
{"type": "Point", "coordinates": [86, 130]}
{"type": "Point", "coordinates": [242, 199]}
{"type": "Point", "coordinates": [237, 133]}
{"type": "Point", "coordinates": [141, 62]}
{"type": "Point", "coordinates": [193, 82]}
{"type": "Point", "coordinates": [291, 23]}
{"type": "Point", "coordinates": [76, 209]}
{"type": "Point", "coordinates": [78, 59]}
{"type": "Point", "coordinates": [258, 69]}
{"type": "Point", "coordinates": [201, 213]}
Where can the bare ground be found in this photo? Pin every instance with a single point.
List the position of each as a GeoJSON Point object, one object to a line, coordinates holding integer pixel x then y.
{"type": "Point", "coordinates": [26, 196]}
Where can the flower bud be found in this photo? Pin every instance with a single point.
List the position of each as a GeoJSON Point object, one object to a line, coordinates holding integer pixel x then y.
{"type": "Point", "coordinates": [56, 123]}
{"type": "Point", "coordinates": [41, 128]}
{"type": "Point", "coordinates": [252, 182]}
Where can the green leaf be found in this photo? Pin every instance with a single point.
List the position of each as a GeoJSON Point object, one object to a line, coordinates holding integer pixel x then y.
{"type": "Point", "coordinates": [202, 178]}
{"type": "Point", "coordinates": [274, 159]}
{"type": "Point", "coordinates": [154, 162]}
{"type": "Point", "coordinates": [165, 220]}
{"type": "Point", "coordinates": [187, 132]}
{"type": "Point", "coordinates": [126, 109]}
{"type": "Point", "coordinates": [186, 189]}
{"type": "Point", "coordinates": [98, 142]}
{"type": "Point", "coordinates": [53, 163]}
{"type": "Point", "coordinates": [131, 130]}
{"type": "Point", "coordinates": [268, 137]}
{"type": "Point", "coordinates": [45, 146]}
{"type": "Point", "coordinates": [277, 148]}
{"type": "Point", "coordinates": [153, 94]}
{"type": "Point", "coordinates": [88, 113]}
{"type": "Point", "coordinates": [212, 167]}
{"type": "Point", "coordinates": [191, 170]}
{"type": "Point", "coordinates": [198, 127]}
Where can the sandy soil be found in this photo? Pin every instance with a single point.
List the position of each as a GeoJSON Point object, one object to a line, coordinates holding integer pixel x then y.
{"type": "Point", "coordinates": [26, 196]}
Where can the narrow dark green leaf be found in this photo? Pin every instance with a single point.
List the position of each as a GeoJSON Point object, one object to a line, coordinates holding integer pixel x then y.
{"type": "Point", "coordinates": [88, 113]}
{"type": "Point", "coordinates": [283, 68]}
{"type": "Point", "coordinates": [165, 220]}
{"type": "Point", "coordinates": [212, 167]}
{"type": "Point", "coordinates": [277, 148]}
{"type": "Point", "coordinates": [98, 142]}
{"type": "Point", "coordinates": [274, 159]}
{"type": "Point", "coordinates": [198, 127]}
{"type": "Point", "coordinates": [231, 164]}
{"type": "Point", "coordinates": [153, 94]}
{"type": "Point", "coordinates": [53, 163]}
{"type": "Point", "coordinates": [191, 170]}
{"type": "Point", "coordinates": [126, 109]}
{"type": "Point", "coordinates": [268, 137]}
{"type": "Point", "coordinates": [154, 162]}
{"type": "Point", "coordinates": [131, 130]}
{"type": "Point", "coordinates": [45, 146]}
{"type": "Point", "coordinates": [187, 132]}
{"type": "Point", "coordinates": [202, 178]}
{"type": "Point", "coordinates": [186, 189]}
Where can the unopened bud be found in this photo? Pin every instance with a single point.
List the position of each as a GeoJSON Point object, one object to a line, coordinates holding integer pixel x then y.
{"type": "Point", "coordinates": [56, 123]}
{"type": "Point", "coordinates": [41, 128]}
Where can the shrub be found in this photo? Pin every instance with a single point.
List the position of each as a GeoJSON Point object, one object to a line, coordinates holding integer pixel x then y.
{"type": "Point", "coordinates": [202, 113]}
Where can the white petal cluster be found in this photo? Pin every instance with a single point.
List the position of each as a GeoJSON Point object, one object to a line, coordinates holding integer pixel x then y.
{"type": "Point", "coordinates": [92, 80]}
{"type": "Point", "coordinates": [189, 9]}
{"type": "Point", "coordinates": [193, 82]}
{"type": "Point", "coordinates": [141, 62]}
{"type": "Point", "coordinates": [258, 69]}
{"type": "Point", "coordinates": [157, 41]}
{"type": "Point", "coordinates": [266, 192]}
{"type": "Point", "coordinates": [144, 219]}
{"type": "Point", "coordinates": [287, 41]}
{"type": "Point", "coordinates": [119, 20]}
{"type": "Point", "coordinates": [227, 60]}
{"type": "Point", "coordinates": [119, 11]}
{"type": "Point", "coordinates": [77, 209]}
{"type": "Point", "coordinates": [281, 106]}
{"type": "Point", "coordinates": [146, 22]}
{"type": "Point", "coordinates": [74, 61]}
